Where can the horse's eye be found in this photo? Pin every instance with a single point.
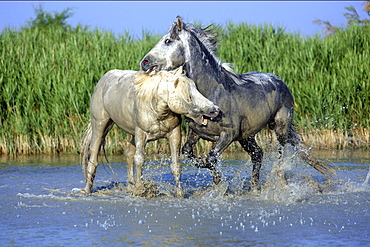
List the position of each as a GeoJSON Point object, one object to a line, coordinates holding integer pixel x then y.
{"type": "Point", "coordinates": [167, 41]}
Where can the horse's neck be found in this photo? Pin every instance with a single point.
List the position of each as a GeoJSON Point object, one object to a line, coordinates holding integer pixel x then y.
{"type": "Point", "coordinates": [206, 76]}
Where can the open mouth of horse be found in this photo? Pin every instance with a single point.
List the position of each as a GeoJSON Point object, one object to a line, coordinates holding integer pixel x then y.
{"type": "Point", "coordinates": [152, 70]}
{"type": "Point", "coordinates": [210, 116]}
{"type": "Point", "coordinates": [204, 120]}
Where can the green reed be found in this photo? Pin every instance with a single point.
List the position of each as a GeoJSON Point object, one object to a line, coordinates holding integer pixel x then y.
{"type": "Point", "coordinates": [48, 76]}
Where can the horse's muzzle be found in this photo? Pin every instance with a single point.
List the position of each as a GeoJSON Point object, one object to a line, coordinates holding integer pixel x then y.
{"type": "Point", "coordinates": [146, 65]}
{"type": "Point", "coordinates": [213, 112]}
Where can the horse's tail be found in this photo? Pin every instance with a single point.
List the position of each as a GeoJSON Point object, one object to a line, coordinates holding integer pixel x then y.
{"type": "Point", "coordinates": [85, 149]}
{"type": "Point", "coordinates": [325, 169]}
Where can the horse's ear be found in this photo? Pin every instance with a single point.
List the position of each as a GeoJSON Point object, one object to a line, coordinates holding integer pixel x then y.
{"type": "Point", "coordinates": [179, 70]}
{"type": "Point", "coordinates": [180, 24]}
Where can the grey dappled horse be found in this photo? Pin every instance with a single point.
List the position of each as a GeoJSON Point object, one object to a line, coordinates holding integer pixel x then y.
{"type": "Point", "coordinates": [146, 107]}
{"type": "Point", "coordinates": [248, 102]}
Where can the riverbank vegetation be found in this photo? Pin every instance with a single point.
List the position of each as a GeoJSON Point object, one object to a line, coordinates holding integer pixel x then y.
{"type": "Point", "coordinates": [48, 74]}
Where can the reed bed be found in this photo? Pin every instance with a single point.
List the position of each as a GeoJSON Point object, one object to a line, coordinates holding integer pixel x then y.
{"type": "Point", "coordinates": [48, 76]}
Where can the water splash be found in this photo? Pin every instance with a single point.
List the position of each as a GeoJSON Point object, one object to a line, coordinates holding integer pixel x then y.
{"type": "Point", "coordinates": [366, 182]}
{"type": "Point", "coordinates": [286, 185]}
{"type": "Point", "coordinates": [43, 203]}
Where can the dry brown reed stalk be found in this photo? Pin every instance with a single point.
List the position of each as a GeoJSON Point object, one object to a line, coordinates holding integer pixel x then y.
{"type": "Point", "coordinates": [117, 143]}
{"type": "Point", "coordinates": [331, 139]}
{"type": "Point", "coordinates": [22, 143]}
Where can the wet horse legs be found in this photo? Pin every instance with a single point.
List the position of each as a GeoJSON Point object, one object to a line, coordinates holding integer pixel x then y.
{"type": "Point", "coordinates": [211, 160]}
{"type": "Point", "coordinates": [255, 152]}
{"type": "Point", "coordinates": [174, 137]}
{"type": "Point", "coordinates": [99, 131]}
{"type": "Point", "coordinates": [187, 149]}
{"type": "Point", "coordinates": [130, 152]}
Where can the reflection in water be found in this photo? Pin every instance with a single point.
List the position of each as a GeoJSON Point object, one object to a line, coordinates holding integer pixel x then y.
{"type": "Point", "coordinates": [41, 204]}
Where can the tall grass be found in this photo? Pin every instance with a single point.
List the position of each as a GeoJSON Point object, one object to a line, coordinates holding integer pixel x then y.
{"type": "Point", "coordinates": [47, 79]}
{"type": "Point", "coordinates": [48, 76]}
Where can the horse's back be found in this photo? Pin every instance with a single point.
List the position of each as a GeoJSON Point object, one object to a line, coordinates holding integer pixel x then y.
{"type": "Point", "coordinates": [116, 75]}
{"type": "Point", "coordinates": [260, 78]}
{"type": "Point", "coordinates": [269, 83]}
{"type": "Point", "coordinates": [110, 83]}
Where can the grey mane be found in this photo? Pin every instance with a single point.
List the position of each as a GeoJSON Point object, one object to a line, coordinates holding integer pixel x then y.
{"type": "Point", "coordinates": [209, 38]}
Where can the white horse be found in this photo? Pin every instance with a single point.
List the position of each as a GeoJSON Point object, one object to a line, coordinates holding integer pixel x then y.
{"type": "Point", "coordinates": [147, 107]}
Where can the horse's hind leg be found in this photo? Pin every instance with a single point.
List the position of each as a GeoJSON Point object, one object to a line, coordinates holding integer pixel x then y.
{"type": "Point", "coordinates": [99, 131]}
{"type": "Point", "coordinates": [285, 133]}
{"type": "Point", "coordinates": [255, 152]}
{"type": "Point", "coordinates": [284, 130]}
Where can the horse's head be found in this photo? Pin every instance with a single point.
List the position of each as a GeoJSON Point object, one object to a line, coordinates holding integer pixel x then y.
{"type": "Point", "coordinates": [168, 53]}
{"type": "Point", "coordinates": [184, 98]}
{"type": "Point", "coordinates": [184, 44]}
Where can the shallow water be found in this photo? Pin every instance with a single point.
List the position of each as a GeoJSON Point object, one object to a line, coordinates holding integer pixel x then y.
{"type": "Point", "coordinates": [40, 204]}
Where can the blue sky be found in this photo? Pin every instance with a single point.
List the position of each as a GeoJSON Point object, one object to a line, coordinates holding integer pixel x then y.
{"type": "Point", "coordinates": [157, 16]}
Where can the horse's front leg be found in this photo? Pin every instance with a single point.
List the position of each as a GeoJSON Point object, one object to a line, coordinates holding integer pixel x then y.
{"type": "Point", "coordinates": [130, 152]}
{"type": "Point", "coordinates": [225, 139]}
{"type": "Point", "coordinates": [187, 149]}
{"type": "Point", "coordinates": [139, 158]}
{"type": "Point", "coordinates": [174, 138]}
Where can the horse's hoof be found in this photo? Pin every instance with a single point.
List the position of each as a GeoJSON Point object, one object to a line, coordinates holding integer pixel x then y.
{"type": "Point", "coordinates": [130, 185]}
{"type": "Point", "coordinates": [254, 189]}
{"type": "Point", "coordinates": [77, 190]}
{"type": "Point", "coordinates": [216, 180]}
{"type": "Point", "coordinates": [180, 194]}
{"type": "Point", "coordinates": [85, 192]}
{"type": "Point", "coordinates": [215, 174]}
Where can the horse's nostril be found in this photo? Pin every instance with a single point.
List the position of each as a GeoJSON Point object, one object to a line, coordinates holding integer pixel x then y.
{"type": "Point", "coordinates": [145, 62]}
